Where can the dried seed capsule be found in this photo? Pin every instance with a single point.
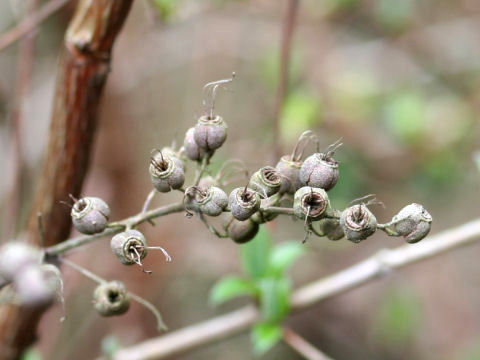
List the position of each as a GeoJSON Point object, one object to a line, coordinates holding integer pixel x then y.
{"type": "Point", "coordinates": [129, 246]}
{"type": "Point", "coordinates": [289, 171]}
{"type": "Point", "coordinates": [413, 222]}
{"type": "Point", "coordinates": [242, 231]}
{"type": "Point", "coordinates": [358, 223]}
{"type": "Point", "coordinates": [209, 201]}
{"type": "Point", "coordinates": [111, 298]}
{"type": "Point", "coordinates": [311, 203]}
{"type": "Point", "coordinates": [34, 287]}
{"type": "Point", "coordinates": [319, 170]}
{"type": "Point", "coordinates": [331, 227]}
{"type": "Point", "coordinates": [261, 217]}
{"type": "Point", "coordinates": [243, 202]}
{"type": "Point", "coordinates": [210, 133]}
{"type": "Point", "coordinates": [165, 173]}
{"type": "Point", "coordinates": [16, 256]}
{"type": "Point", "coordinates": [174, 155]}
{"type": "Point", "coordinates": [192, 150]}
{"type": "Point", "coordinates": [266, 181]}
{"type": "Point", "coordinates": [90, 215]}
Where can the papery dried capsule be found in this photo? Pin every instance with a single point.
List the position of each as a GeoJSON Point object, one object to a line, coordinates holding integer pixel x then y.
{"type": "Point", "coordinates": [174, 155]}
{"type": "Point", "coordinates": [90, 215]}
{"type": "Point", "coordinates": [210, 133]}
{"type": "Point", "coordinates": [243, 202]}
{"type": "Point", "coordinates": [165, 173]}
{"type": "Point", "coordinates": [33, 286]}
{"type": "Point", "coordinates": [209, 201]}
{"type": "Point", "coordinates": [358, 223]}
{"type": "Point", "coordinates": [413, 222]}
{"type": "Point", "coordinates": [242, 231]}
{"type": "Point", "coordinates": [331, 227]}
{"type": "Point", "coordinates": [266, 181]}
{"type": "Point", "coordinates": [15, 256]}
{"type": "Point", "coordinates": [289, 171]}
{"type": "Point", "coordinates": [310, 202]}
{"type": "Point", "coordinates": [130, 246]}
{"type": "Point", "coordinates": [319, 170]}
{"type": "Point", "coordinates": [111, 298]}
{"type": "Point", "coordinates": [192, 150]}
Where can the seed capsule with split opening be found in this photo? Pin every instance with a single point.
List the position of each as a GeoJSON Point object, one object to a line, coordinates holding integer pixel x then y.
{"type": "Point", "coordinates": [130, 246]}
{"type": "Point", "coordinates": [166, 174]}
{"type": "Point", "coordinates": [90, 215]}
{"type": "Point", "coordinates": [413, 222]}
{"type": "Point", "coordinates": [266, 181]}
{"type": "Point", "coordinates": [319, 170]}
{"type": "Point", "coordinates": [311, 203]}
{"type": "Point", "coordinates": [289, 171]}
{"type": "Point", "coordinates": [243, 202]}
{"type": "Point", "coordinates": [111, 298]}
{"type": "Point", "coordinates": [210, 133]}
{"type": "Point", "coordinates": [210, 201]}
{"type": "Point", "coordinates": [358, 223]}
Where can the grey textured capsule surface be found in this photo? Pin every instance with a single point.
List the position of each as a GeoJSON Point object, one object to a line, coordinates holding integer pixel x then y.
{"type": "Point", "coordinates": [266, 181]}
{"type": "Point", "coordinates": [289, 171]}
{"type": "Point", "coordinates": [90, 215]}
{"type": "Point", "coordinates": [242, 231]}
{"type": "Point", "coordinates": [192, 150]}
{"type": "Point", "coordinates": [210, 134]}
{"type": "Point", "coordinates": [413, 222]}
{"type": "Point", "coordinates": [165, 173]}
{"type": "Point", "coordinates": [332, 228]}
{"type": "Point", "coordinates": [111, 298]}
{"type": "Point", "coordinates": [319, 171]}
{"type": "Point", "coordinates": [358, 223]}
{"type": "Point", "coordinates": [311, 202]}
{"type": "Point", "coordinates": [15, 256]}
{"type": "Point", "coordinates": [215, 202]}
{"type": "Point", "coordinates": [175, 156]}
{"type": "Point", "coordinates": [243, 203]}
{"type": "Point", "coordinates": [123, 245]}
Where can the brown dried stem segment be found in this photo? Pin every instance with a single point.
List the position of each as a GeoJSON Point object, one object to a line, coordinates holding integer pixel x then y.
{"type": "Point", "coordinates": [82, 74]}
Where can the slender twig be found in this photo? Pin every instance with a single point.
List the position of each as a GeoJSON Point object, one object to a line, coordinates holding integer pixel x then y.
{"type": "Point", "coordinates": [302, 347]}
{"type": "Point", "coordinates": [95, 278]}
{"type": "Point", "coordinates": [30, 22]}
{"type": "Point", "coordinates": [114, 229]}
{"type": "Point", "coordinates": [239, 320]}
{"type": "Point", "coordinates": [200, 172]}
{"type": "Point", "coordinates": [282, 87]}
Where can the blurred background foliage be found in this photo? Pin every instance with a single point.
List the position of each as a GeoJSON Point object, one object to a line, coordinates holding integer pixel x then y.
{"type": "Point", "coordinates": [398, 81]}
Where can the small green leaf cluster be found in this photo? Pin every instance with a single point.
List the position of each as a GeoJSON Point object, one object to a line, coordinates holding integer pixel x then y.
{"type": "Point", "coordinates": [266, 282]}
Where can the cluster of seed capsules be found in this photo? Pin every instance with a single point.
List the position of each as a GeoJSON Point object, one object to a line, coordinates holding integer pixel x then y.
{"type": "Point", "coordinates": [300, 183]}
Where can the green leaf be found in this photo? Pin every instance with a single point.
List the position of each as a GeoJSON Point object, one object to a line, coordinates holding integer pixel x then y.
{"type": "Point", "coordinates": [274, 298]}
{"type": "Point", "coordinates": [265, 336]}
{"type": "Point", "coordinates": [230, 287]}
{"type": "Point", "coordinates": [31, 354]}
{"type": "Point", "coordinates": [255, 254]}
{"type": "Point", "coordinates": [284, 255]}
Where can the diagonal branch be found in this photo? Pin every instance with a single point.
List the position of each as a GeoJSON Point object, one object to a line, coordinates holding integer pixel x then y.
{"type": "Point", "coordinates": [85, 63]}
{"type": "Point", "coordinates": [230, 324]}
{"type": "Point", "coordinates": [30, 23]}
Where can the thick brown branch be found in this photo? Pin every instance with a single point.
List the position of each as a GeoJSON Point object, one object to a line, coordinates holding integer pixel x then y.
{"type": "Point", "coordinates": [82, 74]}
